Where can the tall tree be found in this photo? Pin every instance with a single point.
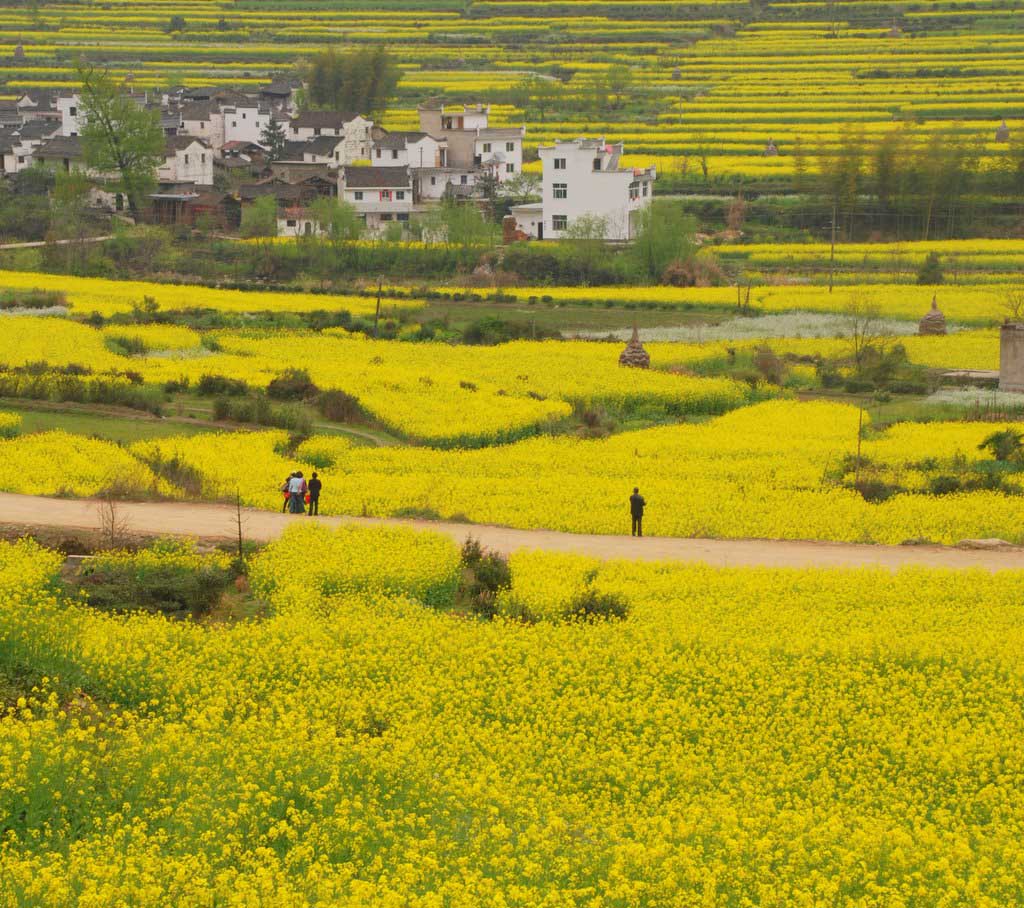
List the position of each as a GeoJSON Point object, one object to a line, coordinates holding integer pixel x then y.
{"type": "Point", "coordinates": [273, 138]}
{"type": "Point", "coordinates": [119, 136]}
{"type": "Point", "coordinates": [362, 80]}
{"type": "Point", "coordinates": [665, 237]}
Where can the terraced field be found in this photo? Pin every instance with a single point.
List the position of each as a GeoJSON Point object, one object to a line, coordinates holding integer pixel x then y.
{"type": "Point", "coordinates": [711, 82]}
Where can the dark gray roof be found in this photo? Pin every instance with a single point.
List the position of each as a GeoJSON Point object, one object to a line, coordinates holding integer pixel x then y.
{"type": "Point", "coordinates": [38, 129]}
{"type": "Point", "coordinates": [501, 132]}
{"type": "Point", "coordinates": [177, 143]}
{"type": "Point", "coordinates": [399, 139]}
{"type": "Point", "coordinates": [376, 177]}
{"type": "Point", "coordinates": [198, 110]}
{"type": "Point", "coordinates": [60, 147]}
{"type": "Point", "coordinates": [283, 192]}
{"type": "Point", "coordinates": [323, 119]}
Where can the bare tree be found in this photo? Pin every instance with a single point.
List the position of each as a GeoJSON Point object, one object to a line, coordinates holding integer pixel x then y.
{"type": "Point", "coordinates": [865, 325]}
{"type": "Point", "coordinates": [115, 528]}
{"type": "Point", "coordinates": [1013, 305]}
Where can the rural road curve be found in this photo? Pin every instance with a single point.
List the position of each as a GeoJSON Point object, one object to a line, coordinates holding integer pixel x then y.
{"type": "Point", "coordinates": [217, 521]}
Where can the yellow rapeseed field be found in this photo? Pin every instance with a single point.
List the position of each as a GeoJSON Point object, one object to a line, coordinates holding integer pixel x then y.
{"type": "Point", "coordinates": [768, 737]}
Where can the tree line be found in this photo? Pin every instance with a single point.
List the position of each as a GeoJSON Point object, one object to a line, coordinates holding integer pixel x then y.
{"type": "Point", "coordinates": [906, 183]}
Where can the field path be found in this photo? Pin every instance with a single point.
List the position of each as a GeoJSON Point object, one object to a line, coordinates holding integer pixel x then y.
{"type": "Point", "coordinates": [217, 521]}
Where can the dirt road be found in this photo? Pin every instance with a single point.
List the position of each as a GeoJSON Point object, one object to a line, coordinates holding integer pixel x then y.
{"type": "Point", "coordinates": [214, 521]}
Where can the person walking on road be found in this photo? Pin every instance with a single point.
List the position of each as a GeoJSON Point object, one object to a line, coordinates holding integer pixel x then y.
{"type": "Point", "coordinates": [636, 510]}
{"type": "Point", "coordinates": [314, 487]}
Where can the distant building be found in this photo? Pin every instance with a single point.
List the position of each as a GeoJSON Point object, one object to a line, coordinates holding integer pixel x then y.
{"type": "Point", "coordinates": [379, 194]}
{"type": "Point", "coordinates": [186, 160]}
{"type": "Point", "coordinates": [581, 178]}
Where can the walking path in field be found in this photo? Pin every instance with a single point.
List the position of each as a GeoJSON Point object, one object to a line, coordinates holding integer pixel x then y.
{"type": "Point", "coordinates": [218, 521]}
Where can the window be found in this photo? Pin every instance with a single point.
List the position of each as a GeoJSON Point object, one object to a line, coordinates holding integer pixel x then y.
{"type": "Point", "coordinates": [234, 122]}
{"type": "Point", "coordinates": [559, 222]}
{"type": "Point", "coordinates": [634, 190]}
{"type": "Point", "coordinates": [487, 147]}
{"type": "Point", "coordinates": [21, 159]}
{"type": "Point", "coordinates": [402, 216]}
{"type": "Point", "coordinates": [291, 223]}
{"type": "Point", "coordinates": [202, 124]}
{"type": "Point", "coordinates": [378, 152]}
{"type": "Point", "coordinates": [202, 158]}
{"type": "Point", "coordinates": [385, 195]}
{"type": "Point", "coordinates": [464, 180]}
{"type": "Point", "coordinates": [561, 190]}
{"type": "Point", "coordinates": [646, 188]}
{"type": "Point", "coordinates": [394, 154]}
{"type": "Point", "coordinates": [295, 129]}
{"type": "Point", "coordinates": [387, 217]}
{"type": "Point", "coordinates": [400, 195]}
{"type": "Point", "coordinates": [186, 159]}
{"type": "Point", "coordinates": [433, 181]}
{"type": "Point", "coordinates": [510, 146]}
{"type": "Point", "coordinates": [73, 111]}
{"type": "Point", "coordinates": [358, 195]}
{"type": "Point", "coordinates": [597, 163]}
{"type": "Point", "coordinates": [316, 130]}
{"type": "Point", "coordinates": [510, 168]}
{"type": "Point", "coordinates": [559, 163]}
{"type": "Point", "coordinates": [243, 116]}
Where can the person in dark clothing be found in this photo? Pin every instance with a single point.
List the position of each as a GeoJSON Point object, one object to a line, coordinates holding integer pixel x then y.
{"type": "Point", "coordinates": [314, 486]}
{"type": "Point", "coordinates": [636, 510]}
{"type": "Point", "coordinates": [287, 495]}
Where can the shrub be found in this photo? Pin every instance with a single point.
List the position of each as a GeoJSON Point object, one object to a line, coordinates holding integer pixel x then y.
{"type": "Point", "coordinates": [339, 406]}
{"type": "Point", "coordinates": [590, 605]}
{"type": "Point", "coordinates": [212, 385]}
{"type": "Point", "coordinates": [930, 271]}
{"type": "Point", "coordinates": [292, 384]}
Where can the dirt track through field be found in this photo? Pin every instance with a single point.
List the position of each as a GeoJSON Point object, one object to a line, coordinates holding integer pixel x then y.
{"type": "Point", "coordinates": [215, 521]}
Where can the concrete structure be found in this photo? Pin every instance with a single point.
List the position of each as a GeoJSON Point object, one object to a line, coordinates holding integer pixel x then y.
{"type": "Point", "coordinates": [471, 142]}
{"type": "Point", "coordinates": [501, 150]}
{"type": "Point", "coordinates": [380, 194]}
{"type": "Point", "coordinates": [186, 160]}
{"type": "Point", "coordinates": [416, 150]}
{"type": "Point", "coordinates": [1011, 357]}
{"type": "Point", "coordinates": [582, 178]}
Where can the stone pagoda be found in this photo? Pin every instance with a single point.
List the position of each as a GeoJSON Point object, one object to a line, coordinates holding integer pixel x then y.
{"type": "Point", "coordinates": [934, 322]}
{"type": "Point", "coordinates": [635, 356]}
{"type": "Point", "coordinates": [1003, 132]}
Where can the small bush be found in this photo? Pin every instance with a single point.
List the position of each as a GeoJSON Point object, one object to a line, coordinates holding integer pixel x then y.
{"type": "Point", "coordinates": [590, 605]}
{"type": "Point", "coordinates": [339, 406]}
{"type": "Point", "coordinates": [213, 385]}
{"type": "Point", "coordinates": [292, 384]}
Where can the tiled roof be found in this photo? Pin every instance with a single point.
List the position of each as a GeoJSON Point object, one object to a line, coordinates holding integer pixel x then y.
{"type": "Point", "coordinates": [376, 177]}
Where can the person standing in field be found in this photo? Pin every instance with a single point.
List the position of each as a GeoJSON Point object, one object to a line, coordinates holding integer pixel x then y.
{"type": "Point", "coordinates": [636, 510]}
{"type": "Point", "coordinates": [287, 494]}
{"type": "Point", "coordinates": [315, 485]}
{"type": "Point", "coordinates": [296, 493]}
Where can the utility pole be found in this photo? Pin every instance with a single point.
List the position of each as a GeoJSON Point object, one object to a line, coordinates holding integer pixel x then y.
{"type": "Point", "coordinates": [832, 254]}
{"type": "Point", "coordinates": [376, 316]}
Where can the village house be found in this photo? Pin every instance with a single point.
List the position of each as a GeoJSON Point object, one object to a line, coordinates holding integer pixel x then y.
{"type": "Point", "coordinates": [354, 131]}
{"type": "Point", "coordinates": [203, 120]}
{"type": "Point", "coordinates": [470, 141]}
{"type": "Point", "coordinates": [501, 150]}
{"type": "Point", "coordinates": [379, 194]}
{"type": "Point", "coordinates": [581, 178]}
{"type": "Point", "coordinates": [186, 160]}
{"type": "Point", "coordinates": [408, 149]}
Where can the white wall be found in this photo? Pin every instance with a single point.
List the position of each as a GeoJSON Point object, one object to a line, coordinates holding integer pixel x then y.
{"type": "Point", "coordinates": [244, 124]}
{"type": "Point", "coordinates": [71, 119]}
{"type": "Point", "coordinates": [600, 193]}
{"type": "Point", "coordinates": [188, 165]}
{"type": "Point", "coordinates": [210, 131]}
{"type": "Point", "coordinates": [487, 149]}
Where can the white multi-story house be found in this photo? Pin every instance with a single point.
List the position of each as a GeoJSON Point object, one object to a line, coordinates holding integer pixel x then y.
{"type": "Point", "coordinates": [186, 160]}
{"type": "Point", "coordinates": [71, 119]}
{"type": "Point", "coordinates": [434, 183]}
{"type": "Point", "coordinates": [203, 120]}
{"type": "Point", "coordinates": [379, 194]}
{"type": "Point", "coordinates": [415, 150]}
{"type": "Point", "coordinates": [354, 131]}
{"type": "Point", "coordinates": [501, 150]}
{"type": "Point", "coordinates": [581, 178]}
{"type": "Point", "coordinates": [245, 122]}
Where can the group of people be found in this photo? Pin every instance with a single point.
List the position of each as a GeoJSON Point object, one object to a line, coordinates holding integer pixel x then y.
{"type": "Point", "coordinates": [298, 493]}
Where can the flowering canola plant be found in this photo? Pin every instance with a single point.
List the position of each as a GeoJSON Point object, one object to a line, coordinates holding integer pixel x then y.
{"type": "Point", "coordinates": [769, 737]}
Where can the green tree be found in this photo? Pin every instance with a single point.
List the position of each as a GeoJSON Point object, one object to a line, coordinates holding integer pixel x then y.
{"type": "Point", "coordinates": [119, 137]}
{"type": "Point", "coordinates": [339, 222]}
{"type": "Point", "coordinates": [665, 237]}
{"type": "Point", "coordinates": [465, 226]}
{"type": "Point", "coordinates": [362, 80]}
{"type": "Point", "coordinates": [584, 244]}
{"type": "Point", "coordinates": [273, 138]}
{"type": "Point", "coordinates": [260, 218]}
{"type": "Point", "coordinates": [69, 202]}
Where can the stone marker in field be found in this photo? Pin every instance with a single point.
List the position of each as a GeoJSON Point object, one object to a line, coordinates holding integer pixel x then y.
{"type": "Point", "coordinates": [934, 321]}
{"type": "Point", "coordinates": [1003, 132]}
{"type": "Point", "coordinates": [635, 355]}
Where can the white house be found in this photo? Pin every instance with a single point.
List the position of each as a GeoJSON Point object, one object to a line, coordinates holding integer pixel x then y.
{"type": "Point", "coordinates": [582, 177]}
{"type": "Point", "coordinates": [379, 194]}
{"type": "Point", "coordinates": [186, 160]}
{"type": "Point", "coordinates": [203, 120]}
{"type": "Point", "coordinates": [296, 221]}
{"type": "Point", "coordinates": [501, 150]}
{"type": "Point", "coordinates": [408, 149]}
{"type": "Point", "coordinates": [352, 128]}
{"type": "Point", "coordinates": [433, 183]}
{"type": "Point", "coordinates": [71, 119]}
{"type": "Point", "coordinates": [245, 122]}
